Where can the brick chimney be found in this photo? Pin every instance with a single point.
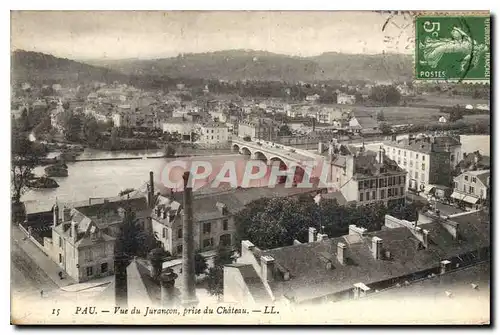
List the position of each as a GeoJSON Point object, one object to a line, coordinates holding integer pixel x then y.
{"type": "Point", "coordinates": [188, 270]}
{"type": "Point", "coordinates": [341, 257]}
{"type": "Point", "coordinates": [267, 268]}
{"type": "Point", "coordinates": [312, 234]}
{"type": "Point", "coordinates": [377, 247]}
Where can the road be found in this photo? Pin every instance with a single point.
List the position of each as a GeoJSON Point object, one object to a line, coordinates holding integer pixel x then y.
{"type": "Point", "coordinates": [27, 278]}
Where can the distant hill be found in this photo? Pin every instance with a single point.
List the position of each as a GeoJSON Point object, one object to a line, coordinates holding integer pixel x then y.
{"type": "Point", "coordinates": [260, 65]}
{"type": "Point", "coordinates": [228, 65]}
{"type": "Point", "coordinates": [38, 67]}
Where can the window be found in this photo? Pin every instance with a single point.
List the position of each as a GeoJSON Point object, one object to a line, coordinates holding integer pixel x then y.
{"type": "Point", "coordinates": [411, 163]}
{"type": "Point", "coordinates": [471, 189]}
{"type": "Point", "coordinates": [104, 267]}
{"type": "Point", "coordinates": [212, 137]}
{"type": "Point", "coordinates": [207, 228]}
{"type": "Point", "coordinates": [399, 160]}
{"type": "Point", "coordinates": [389, 192]}
{"type": "Point", "coordinates": [404, 153]}
{"type": "Point", "coordinates": [361, 197]}
{"type": "Point", "coordinates": [474, 179]}
{"type": "Point", "coordinates": [374, 196]}
{"type": "Point", "coordinates": [382, 194]}
{"type": "Point", "coordinates": [399, 152]}
{"type": "Point", "coordinates": [404, 162]}
{"type": "Point", "coordinates": [208, 242]}
{"type": "Point", "coordinates": [60, 258]}
{"type": "Point", "coordinates": [164, 232]}
{"type": "Point", "coordinates": [225, 224]}
{"type": "Point", "coordinates": [89, 271]}
{"type": "Point", "coordinates": [367, 196]}
{"type": "Point", "coordinates": [423, 158]}
{"type": "Point", "coordinates": [465, 188]}
{"type": "Point", "coordinates": [401, 190]}
{"type": "Point", "coordinates": [393, 150]}
{"type": "Point", "coordinates": [423, 166]}
{"type": "Point", "coordinates": [466, 178]}
{"type": "Point", "coordinates": [395, 191]}
{"type": "Point", "coordinates": [179, 233]}
{"type": "Point", "coordinates": [60, 242]}
{"type": "Point", "coordinates": [455, 184]}
{"type": "Point", "coordinates": [179, 249]}
{"type": "Point", "coordinates": [452, 157]}
{"type": "Point", "coordinates": [416, 175]}
{"type": "Point", "coordinates": [416, 156]}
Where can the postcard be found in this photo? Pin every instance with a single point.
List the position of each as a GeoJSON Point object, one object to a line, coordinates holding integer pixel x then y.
{"type": "Point", "coordinates": [250, 167]}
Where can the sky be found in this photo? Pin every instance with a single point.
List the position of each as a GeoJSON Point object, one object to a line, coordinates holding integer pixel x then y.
{"type": "Point", "coordinates": [156, 34]}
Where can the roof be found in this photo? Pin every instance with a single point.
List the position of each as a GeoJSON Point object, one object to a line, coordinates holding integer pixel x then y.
{"type": "Point", "coordinates": [482, 175]}
{"type": "Point", "coordinates": [470, 159]}
{"type": "Point", "coordinates": [310, 278]}
{"type": "Point", "coordinates": [95, 206]}
{"type": "Point", "coordinates": [426, 144]}
{"type": "Point", "coordinates": [252, 281]}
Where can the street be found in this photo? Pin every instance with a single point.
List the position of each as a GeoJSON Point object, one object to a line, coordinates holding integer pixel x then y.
{"type": "Point", "coordinates": [27, 278]}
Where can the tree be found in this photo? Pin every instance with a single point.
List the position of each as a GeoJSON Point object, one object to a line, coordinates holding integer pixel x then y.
{"type": "Point", "coordinates": [385, 95]}
{"type": "Point", "coordinates": [133, 239]}
{"type": "Point", "coordinates": [215, 282]}
{"type": "Point", "coordinates": [157, 256]}
{"type": "Point", "coordinates": [72, 126]}
{"type": "Point", "coordinates": [380, 116]}
{"type": "Point", "coordinates": [200, 264]}
{"type": "Point", "coordinates": [215, 278]}
{"type": "Point", "coordinates": [169, 151]}
{"type": "Point", "coordinates": [284, 131]}
{"type": "Point", "coordinates": [90, 130]}
{"type": "Point", "coordinates": [385, 128]}
{"type": "Point", "coordinates": [25, 156]}
{"type": "Point", "coordinates": [456, 113]}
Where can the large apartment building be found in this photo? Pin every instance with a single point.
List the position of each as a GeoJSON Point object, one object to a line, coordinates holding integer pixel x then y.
{"type": "Point", "coordinates": [366, 176]}
{"type": "Point", "coordinates": [429, 160]}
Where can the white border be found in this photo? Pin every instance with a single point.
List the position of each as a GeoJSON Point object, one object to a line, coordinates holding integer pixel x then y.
{"type": "Point", "coordinates": [187, 5]}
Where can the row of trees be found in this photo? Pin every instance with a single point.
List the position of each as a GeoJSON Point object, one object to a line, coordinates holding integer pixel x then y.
{"type": "Point", "coordinates": [276, 222]}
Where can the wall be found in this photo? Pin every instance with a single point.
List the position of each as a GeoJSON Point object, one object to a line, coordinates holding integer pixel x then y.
{"type": "Point", "coordinates": [478, 185]}
{"type": "Point", "coordinates": [100, 253]}
{"type": "Point", "coordinates": [235, 288]}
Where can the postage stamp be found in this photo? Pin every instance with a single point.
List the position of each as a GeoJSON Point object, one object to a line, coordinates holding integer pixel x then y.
{"type": "Point", "coordinates": [453, 48]}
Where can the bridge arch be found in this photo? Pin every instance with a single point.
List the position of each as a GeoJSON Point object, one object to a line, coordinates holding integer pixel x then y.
{"type": "Point", "coordinates": [235, 148]}
{"type": "Point", "coordinates": [260, 156]}
{"type": "Point", "coordinates": [245, 151]}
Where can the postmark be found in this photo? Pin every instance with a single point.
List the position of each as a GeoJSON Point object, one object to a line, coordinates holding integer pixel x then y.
{"type": "Point", "coordinates": [452, 48]}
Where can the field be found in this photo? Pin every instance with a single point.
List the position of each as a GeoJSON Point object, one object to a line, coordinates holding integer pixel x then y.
{"type": "Point", "coordinates": [405, 115]}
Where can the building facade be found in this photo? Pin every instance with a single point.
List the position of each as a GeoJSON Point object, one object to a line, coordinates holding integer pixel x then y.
{"type": "Point", "coordinates": [366, 176]}
{"type": "Point", "coordinates": [426, 159]}
{"type": "Point", "coordinates": [213, 132]}
{"type": "Point", "coordinates": [471, 187]}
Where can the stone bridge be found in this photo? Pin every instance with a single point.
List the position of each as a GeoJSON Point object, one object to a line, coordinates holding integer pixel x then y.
{"type": "Point", "coordinates": [271, 152]}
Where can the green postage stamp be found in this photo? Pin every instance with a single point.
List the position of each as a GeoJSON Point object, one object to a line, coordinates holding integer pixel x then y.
{"type": "Point", "coordinates": [452, 48]}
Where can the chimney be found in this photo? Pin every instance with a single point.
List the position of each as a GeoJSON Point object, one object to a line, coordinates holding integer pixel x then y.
{"type": "Point", "coordinates": [121, 263]}
{"type": "Point", "coordinates": [151, 189]}
{"type": "Point", "coordinates": [312, 234]}
{"type": "Point", "coordinates": [188, 274]}
{"type": "Point", "coordinates": [377, 247]}
{"type": "Point", "coordinates": [267, 267]}
{"type": "Point", "coordinates": [425, 238]}
{"type": "Point", "coordinates": [354, 230]}
{"type": "Point", "coordinates": [451, 227]}
{"type": "Point", "coordinates": [321, 237]}
{"type": "Point", "coordinates": [167, 282]}
{"type": "Point", "coordinates": [55, 211]}
{"type": "Point", "coordinates": [320, 147]}
{"type": "Point", "coordinates": [341, 253]}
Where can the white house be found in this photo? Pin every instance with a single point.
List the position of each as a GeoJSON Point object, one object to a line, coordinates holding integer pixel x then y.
{"type": "Point", "coordinates": [214, 132]}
